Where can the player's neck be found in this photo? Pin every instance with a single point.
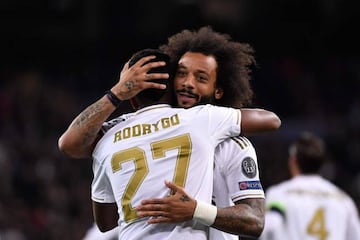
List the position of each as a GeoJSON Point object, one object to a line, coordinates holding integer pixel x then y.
{"type": "Point", "coordinates": [140, 103]}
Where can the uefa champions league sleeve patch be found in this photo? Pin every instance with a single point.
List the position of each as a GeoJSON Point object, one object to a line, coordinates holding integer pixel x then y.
{"type": "Point", "coordinates": [250, 185]}
{"type": "Point", "coordinates": [248, 167]}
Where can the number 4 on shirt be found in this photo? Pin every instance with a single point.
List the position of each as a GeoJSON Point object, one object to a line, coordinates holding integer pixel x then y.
{"type": "Point", "coordinates": [317, 226]}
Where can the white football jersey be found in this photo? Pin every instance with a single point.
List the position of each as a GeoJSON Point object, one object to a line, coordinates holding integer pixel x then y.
{"type": "Point", "coordinates": [236, 177]}
{"type": "Point", "coordinates": [134, 158]}
{"type": "Point", "coordinates": [310, 208]}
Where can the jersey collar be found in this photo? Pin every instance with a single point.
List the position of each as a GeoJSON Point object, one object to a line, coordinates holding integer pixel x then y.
{"type": "Point", "coordinates": [152, 107]}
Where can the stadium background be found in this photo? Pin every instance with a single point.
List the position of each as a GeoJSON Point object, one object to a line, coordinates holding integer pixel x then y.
{"type": "Point", "coordinates": [58, 56]}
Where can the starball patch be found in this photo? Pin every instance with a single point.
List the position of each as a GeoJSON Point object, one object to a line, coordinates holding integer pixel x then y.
{"type": "Point", "coordinates": [248, 167]}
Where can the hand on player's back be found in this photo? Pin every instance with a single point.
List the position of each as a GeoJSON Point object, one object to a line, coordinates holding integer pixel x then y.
{"type": "Point", "coordinates": [177, 207]}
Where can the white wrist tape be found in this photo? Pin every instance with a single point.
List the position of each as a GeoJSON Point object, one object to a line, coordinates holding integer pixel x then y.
{"type": "Point", "coordinates": [205, 213]}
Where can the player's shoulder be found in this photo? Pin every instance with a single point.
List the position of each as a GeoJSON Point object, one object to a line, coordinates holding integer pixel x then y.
{"type": "Point", "coordinates": [235, 148]}
{"type": "Point", "coordinates": [240, 142]}
{"type": "Point", "coordinates": [209, 107]}
{"type": "Point", "coordinates": [111, 123]}
{"type": "Point", "coordinates": [235, 152]}
{"type": "Point", "coordinates": [330, 186]}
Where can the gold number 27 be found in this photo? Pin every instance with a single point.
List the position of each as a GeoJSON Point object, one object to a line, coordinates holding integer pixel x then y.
{"type": "Point", "coordinates": [137, 155]}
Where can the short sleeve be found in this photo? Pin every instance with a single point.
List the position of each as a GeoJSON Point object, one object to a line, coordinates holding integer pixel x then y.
{"type": "Point", "coordinates": [223, 120]}
{"type": "Point", "coordinates": [101, 190]}
{"type": "Point", "coordinates": [236, 159]}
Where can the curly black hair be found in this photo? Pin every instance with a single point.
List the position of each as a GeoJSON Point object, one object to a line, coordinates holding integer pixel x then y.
{"type": "Point", "coordinates": [234, 60]}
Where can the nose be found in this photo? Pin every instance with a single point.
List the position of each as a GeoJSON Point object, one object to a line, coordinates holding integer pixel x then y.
{"type": "Point", "coordinates": [189, 81]}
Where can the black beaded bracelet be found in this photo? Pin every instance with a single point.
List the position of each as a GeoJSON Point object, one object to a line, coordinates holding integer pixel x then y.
{"type": "Point", "coordinates": [113, 98]}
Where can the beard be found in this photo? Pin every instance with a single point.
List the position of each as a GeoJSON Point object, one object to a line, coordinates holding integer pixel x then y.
{"type": "Point", "coordinates": [206, 99]}
{"type": "Point", "coordinates": [200, 100]}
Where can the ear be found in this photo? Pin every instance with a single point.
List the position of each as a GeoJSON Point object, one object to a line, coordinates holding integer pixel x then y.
{"type": "Point", "coordinates": [293, 167]}
{"type": "Point", "coordinates": [218, 93]}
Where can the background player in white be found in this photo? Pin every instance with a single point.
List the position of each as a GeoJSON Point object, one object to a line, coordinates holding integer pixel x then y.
{"type": "Point", "coordinates": [307, 206]}
{"type": "Point", "coordinates": [236, 175]}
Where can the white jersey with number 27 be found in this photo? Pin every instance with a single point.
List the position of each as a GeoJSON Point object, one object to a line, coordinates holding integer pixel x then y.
{"type": "Point", "coordinates": [134, 158]}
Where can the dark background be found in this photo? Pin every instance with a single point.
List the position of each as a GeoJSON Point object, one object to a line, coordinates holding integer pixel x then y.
{"type": "Point", "coordinates": [59, 56]}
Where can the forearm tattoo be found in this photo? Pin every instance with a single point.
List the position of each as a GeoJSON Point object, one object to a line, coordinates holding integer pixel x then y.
{"type": "Point", "coordinates": [246, 218]}
{"type": "Point", "coordinates": [90, 121]}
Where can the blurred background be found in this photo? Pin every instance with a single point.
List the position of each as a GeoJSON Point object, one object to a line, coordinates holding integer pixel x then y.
{"type": "Point", "coordinates": [59, 56]}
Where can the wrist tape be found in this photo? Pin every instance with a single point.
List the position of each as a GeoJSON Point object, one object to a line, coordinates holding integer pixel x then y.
{"type": "Point", "coordinates": [205, 213]}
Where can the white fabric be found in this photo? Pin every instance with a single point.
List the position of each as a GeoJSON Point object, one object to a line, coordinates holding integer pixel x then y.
{"type": "Point", "coordinates": [167, 129]}
{"type": "Point", "coordinates": [313, 208]}
{"type": "Point", "coordinates": [229, 175]}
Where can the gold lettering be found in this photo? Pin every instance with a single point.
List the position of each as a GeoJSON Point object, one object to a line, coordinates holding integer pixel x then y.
{"type": "Point", "coordinates": [146, 128]}
{"type": "Point", "coordinates": [174, 120]}
{"type": "Point", "coordinates": [165, 122]}
{"type": "Point", "coordinates": [117, 136]}
{"type": "Point", "coordinates": [126, 133]}
{"type": "Point", "coordinates": [156, 126]}
{"type": "Point", "coordinates": [136, 130]}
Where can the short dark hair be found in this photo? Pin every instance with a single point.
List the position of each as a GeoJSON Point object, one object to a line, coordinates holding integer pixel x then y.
{"type": "Point", "coordinates": [309, 151]}
{"type": "Point", "coordinates": [153, 94]}
{"type": "Point", "coordinates": [233, 59]}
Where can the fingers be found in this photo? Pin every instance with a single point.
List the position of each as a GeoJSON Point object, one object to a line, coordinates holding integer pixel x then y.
{"type": "Point", "coordinates": [143, 60]}
{"type": "Point", "coordinates": [152, 210]}
{"type": "Point", "coordinates": [139, 72]}
{"type": "Point", "coordinates": [159, 220]}
{"type": "Point", "coordinates": [149, 65]}
{"type": "Point", "coordinates": [148, 213]}
{"type": "Point", "coordinates": [126, 66]}
{"type": "Point", "coordinates": [173, 187]}
{"type": "Point", "coordinates": [150, 76]}
{"type": "Point", "coordinates": [153, 201]}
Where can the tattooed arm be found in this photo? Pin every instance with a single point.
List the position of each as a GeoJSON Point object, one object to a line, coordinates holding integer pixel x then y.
{"type": "Point", "coordinates": [246, 218]}
{"type": "Point", "coordinates": [81, 136]}
{"type": "Point", "coordinates": [79, 140]}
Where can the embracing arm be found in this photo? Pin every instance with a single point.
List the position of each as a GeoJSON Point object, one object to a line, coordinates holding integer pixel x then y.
{"type": "Point", "coordinates": [81, 136]}
{"type": "Point", "coordinates": [255, 120]}
{"type": "Point", "coordinates": [105, 215]}
{"type": "Point", "coordinates": [79, 140]}
{"type": "Point", "coordinates": [246, 218]}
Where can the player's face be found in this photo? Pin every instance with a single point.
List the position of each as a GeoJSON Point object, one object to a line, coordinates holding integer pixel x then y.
{"type": "Point", "coordinates": [195, 80]}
